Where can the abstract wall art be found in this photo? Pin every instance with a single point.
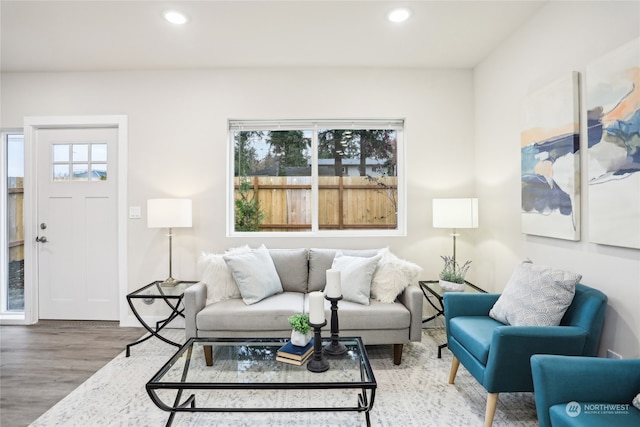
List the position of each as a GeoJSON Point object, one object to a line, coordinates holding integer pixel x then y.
{"type": "Point", "coordinates": [550, 160]}
{"type": "Point", "coordinates": [613, 117]}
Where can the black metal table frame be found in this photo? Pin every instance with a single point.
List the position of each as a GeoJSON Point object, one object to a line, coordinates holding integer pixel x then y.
{"type": "Point", "coordinates": [365, 403]}
{"type": "Point", "coordinates": [440, 298]}
{"type": "Point", "coordinates": [160, 325]}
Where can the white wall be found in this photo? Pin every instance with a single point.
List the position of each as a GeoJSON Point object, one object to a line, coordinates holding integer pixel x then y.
{"type": "Point", "coordinates": [562, 37]}
{"type": "Point", "coordinates": [178, 140]}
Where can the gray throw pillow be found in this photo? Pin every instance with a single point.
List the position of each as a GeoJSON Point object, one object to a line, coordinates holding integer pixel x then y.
{"type": "Point", "coordinates": [255, 274]}
{"type": "Point", "coordinates": [292, 266]}
{"type": "Point", "coordinates": [535, 296]}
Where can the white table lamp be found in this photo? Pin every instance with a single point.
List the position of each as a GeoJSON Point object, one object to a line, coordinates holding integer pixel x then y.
{"type": "Point", "coordinates": [454, 214]}
{"type": "Point", "coordinates": [169, 213]}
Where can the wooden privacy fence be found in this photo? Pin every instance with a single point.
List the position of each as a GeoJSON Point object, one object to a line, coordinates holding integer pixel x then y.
{"type": "Point", "coordinates": [351, 202]}
{"type": "Point", "coordinates": [15, 213]}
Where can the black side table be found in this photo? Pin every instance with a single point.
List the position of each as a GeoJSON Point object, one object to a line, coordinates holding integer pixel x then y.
{"type": "Point", "coordinates": [433, 287]}
{"type": "Point", "coordinates": [171, 295]}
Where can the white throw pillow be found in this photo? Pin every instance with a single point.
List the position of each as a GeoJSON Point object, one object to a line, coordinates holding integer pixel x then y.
{"type": "Point", "coordinates": [535, 296]}
{"type": "Point", "coordinates": [217, 277]}
{"type": "Point", "coordinates": [636, 401]}
{"type": "Point", "coordinates": [355, 276]}
{"type": "Point", "coordinates": [392, 276]}
{"type": "Point", "coordinates": [255, 274]}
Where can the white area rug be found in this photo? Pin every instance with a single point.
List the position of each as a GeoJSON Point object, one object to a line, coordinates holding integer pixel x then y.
{"type": "Point", "coordinates": [415, 393]}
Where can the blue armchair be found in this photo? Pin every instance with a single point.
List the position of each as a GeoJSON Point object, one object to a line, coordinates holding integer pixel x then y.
{"type": "Point", "coordinates": [587, 383]}
{"type": "Point", "coordinates": [498, 355]}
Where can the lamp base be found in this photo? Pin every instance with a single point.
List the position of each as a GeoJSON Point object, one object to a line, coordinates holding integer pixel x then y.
{"type": "Point", "coordinates": [170, 282]}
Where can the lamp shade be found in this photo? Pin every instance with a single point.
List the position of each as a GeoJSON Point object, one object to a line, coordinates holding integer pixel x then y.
{"type": "Point", "coordinates": [168, 213]}
{"type": "Point", "coordinates": [455, 213]}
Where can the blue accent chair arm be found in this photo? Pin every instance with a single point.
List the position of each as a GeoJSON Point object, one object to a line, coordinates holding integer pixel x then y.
{"type": "Point", "coordinates": [463, 304]}
{"type": "Point", "coordinates": [512, 347]}
{"type": "Point", "coordinates": [563, 379]}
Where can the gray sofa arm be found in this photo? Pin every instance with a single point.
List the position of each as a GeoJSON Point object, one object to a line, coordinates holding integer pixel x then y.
{"type": "Point", "coordinates": [412, 299]}
{"type": "Point", "coordinates": [195, 298]}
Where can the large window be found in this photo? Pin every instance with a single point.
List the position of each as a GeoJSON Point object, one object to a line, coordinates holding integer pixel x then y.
{"type": "Point", "coordinates": [317, 177]}
{"type": "Point", "coordinates": [12, 213]}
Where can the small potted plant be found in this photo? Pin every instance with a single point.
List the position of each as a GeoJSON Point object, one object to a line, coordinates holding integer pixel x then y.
{"type": "Point", "coordinates": [452, 275]}
{"type": "Point", "coordinates": [301, 332]}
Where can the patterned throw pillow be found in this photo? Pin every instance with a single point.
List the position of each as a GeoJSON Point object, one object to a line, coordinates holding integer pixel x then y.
{"type": "Point", "coordinates": [636, 401]}
{"type": "Point", "coordinates": [535, 296]}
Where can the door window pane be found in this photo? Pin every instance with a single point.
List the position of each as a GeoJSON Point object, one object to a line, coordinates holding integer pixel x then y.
{"type": "Point", "coordinates": [61, 172]}
{"type": "Point", "coordinates": [61, 153]}
{"type": "Point", "coordinates": [80, 152]}
{"type": "Point", "coordinates": [98, 172]}
{"type": "Point", "coordinates": [98, 152]}
{"type": "Point", "coordinates": [81, 172]}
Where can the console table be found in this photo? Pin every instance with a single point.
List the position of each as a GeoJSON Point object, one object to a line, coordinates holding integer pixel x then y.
{"type": "Point", "coordinates": [432, 287]}
{"type": "Point", "coordinates": [171, 295]}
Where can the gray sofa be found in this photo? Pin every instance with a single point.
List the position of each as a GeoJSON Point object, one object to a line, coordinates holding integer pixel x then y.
{"type": "Point", "coordinates": [302, 271]}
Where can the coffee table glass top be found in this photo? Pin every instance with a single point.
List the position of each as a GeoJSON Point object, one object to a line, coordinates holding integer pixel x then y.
{"type": "Point", "coordinates": [251, 363]}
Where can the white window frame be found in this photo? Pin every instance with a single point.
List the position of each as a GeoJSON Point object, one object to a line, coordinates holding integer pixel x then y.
{"type": "Point", "coordinates": [7, 317]}
{"type": "Point", "coordinates": [314, 125]}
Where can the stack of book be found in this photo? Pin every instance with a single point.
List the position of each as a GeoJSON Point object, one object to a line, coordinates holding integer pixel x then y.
{"type": "Point", "coordinates": [294, 354]}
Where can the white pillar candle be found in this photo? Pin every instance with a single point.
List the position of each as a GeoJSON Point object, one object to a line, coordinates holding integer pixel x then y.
{"type": "Point", "coordinates": [316, 308]}
{"type": "Point", "coordinates": [333, 288]}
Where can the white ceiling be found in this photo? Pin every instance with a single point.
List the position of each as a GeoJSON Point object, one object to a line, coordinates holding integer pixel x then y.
{"type": "Point", "coordinates": [125, 35]}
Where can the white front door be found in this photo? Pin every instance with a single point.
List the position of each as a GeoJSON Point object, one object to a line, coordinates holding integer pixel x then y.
{"type": "Point", "coordinates": [77, 223]}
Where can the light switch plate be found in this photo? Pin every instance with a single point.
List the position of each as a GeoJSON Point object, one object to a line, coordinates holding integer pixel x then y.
{"type": "Point", "coordinates": [134, 212]}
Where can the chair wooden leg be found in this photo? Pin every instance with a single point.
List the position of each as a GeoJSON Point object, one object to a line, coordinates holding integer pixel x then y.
{"type": "Point", "coordinates": [492, 402]}
{"type": "Point", "coordinates": [397, 354]}
{"type": "Point", "coordinates": [455, 363]}
{"type": "Point", "coordinates": [208, 355]}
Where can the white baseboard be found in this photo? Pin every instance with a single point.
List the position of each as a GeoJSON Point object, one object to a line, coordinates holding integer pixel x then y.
{"type": "Point", "coordinates": [132, 322]}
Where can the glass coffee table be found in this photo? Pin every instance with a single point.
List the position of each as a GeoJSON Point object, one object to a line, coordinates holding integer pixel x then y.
{"type": "Point", "coordinates": [245, 374]}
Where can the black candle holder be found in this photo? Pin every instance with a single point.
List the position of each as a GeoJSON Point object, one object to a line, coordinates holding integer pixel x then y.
{"type": "Point", "coordinates": [317, 363]}
{"type": "Point", "coordinates": [335, 347]}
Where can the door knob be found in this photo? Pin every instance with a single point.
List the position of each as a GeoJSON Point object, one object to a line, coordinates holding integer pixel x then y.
{"type": "Point", "coordinates": [42, 239]}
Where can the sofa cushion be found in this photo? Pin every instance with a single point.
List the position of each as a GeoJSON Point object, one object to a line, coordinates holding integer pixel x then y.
{"type": "Point", "coordinates": [591, 415]}
{"type": "Point", "coordinates": [474, 333]}
{"type": "Point", "coordinates": [355, 276]}
{"type": "Point", "coordinates": [217, 276]}
{"type": "Point", "coordinates": [535, 296]}
{"type": "Point", "coordinates": [375, 316]}
{"type": "Point", "coordinates": [392, 276]}
{"type": "Point", "coordinates": [320, 261]}
{"type": "Point", "coordinates": [270, 314]}
{"type": "Point", "coordinates": [292, 266]}
{"type": "Point", "coordinates": [255, 274]}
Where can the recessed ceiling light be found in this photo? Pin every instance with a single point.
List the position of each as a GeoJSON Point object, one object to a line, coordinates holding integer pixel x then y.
{"type": "Point", "coordinates": [175, 17]}
{"type": "Point", "coordinates": [399, 15]}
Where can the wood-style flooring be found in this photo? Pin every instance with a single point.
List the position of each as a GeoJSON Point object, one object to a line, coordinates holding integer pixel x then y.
{"type": "Point", "coordinates": [42, 363]}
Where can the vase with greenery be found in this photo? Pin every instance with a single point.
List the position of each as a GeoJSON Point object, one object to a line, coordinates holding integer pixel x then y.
{"type": "Point", "coordinates": [301, 332]}
{"type": "Point", "coordinates": [452, 275]}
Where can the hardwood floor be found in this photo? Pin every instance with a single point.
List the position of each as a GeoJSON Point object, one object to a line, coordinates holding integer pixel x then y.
{"type": "Point", "coordinates": [42, 363]}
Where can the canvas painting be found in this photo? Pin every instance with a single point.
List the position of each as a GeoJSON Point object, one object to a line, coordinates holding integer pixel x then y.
{"type": "Point", "coordinates": [550, 160]}
{"type": "Point", "coordinates": [613, 114]}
